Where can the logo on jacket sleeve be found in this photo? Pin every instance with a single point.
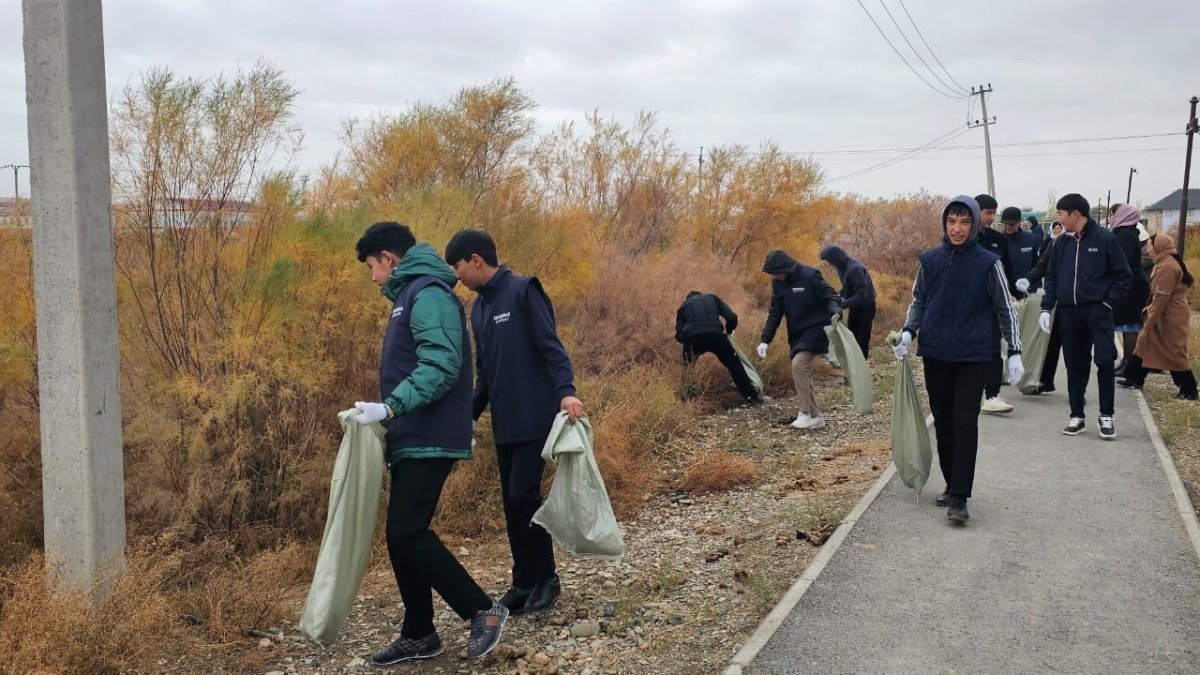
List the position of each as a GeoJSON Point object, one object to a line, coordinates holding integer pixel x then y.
{"type": "Point", "coordinates": [1093, 249]}
{"type": "Point", "coordinates": [798, 289]}
{"type": "Point", "coordinates": [502, 318]}
{"type": "Point", "coordinates": [397, 311]}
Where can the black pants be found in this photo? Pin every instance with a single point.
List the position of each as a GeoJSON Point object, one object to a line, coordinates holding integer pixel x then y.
{"type": "Point", "coordinates": [521, 467]}
{"type": "Point", "coordinates": [1184, 379]}
{"type": "Point", "coordinates": [1084, 328]}
{"type": "Point", "coordinates": [720, 345]}
{"type": "Point", "coordinates": [860, 322]}
{"type": "Point", "coordinates": [420, 561]}
{"type": "Point", "coordinates": [1053, 347]}
{"type": "Point", "coordinates": [954, 399]}
{"type": "Point", "coordinates": [995, 373]}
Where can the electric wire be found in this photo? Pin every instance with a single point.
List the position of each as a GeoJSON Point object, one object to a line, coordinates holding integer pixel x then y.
{"type": "Point", "coordinates": [914, 49]}
{"type": "Point", "coordinates": [897, 51]}
{"type": "Point", "coordinates": [931, 52]}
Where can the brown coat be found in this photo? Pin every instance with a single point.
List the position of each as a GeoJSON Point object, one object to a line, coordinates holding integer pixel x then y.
{"type": "Point", "coordinates": [1162, 344]}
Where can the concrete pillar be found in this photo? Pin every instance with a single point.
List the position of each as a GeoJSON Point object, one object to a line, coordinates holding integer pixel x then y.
{"type": "Point", "coordinates": [83, 479]}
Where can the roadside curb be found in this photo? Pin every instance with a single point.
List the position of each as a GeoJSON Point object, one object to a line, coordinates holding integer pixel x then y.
{"type": "Point", "coordinates": [1182, 502]}
{"type": "Point", "coordinates": [771, 623]}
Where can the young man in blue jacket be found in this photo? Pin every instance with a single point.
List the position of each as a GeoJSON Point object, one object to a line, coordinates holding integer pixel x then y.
{"type": "Point", "coordinates": [800, 295]}
{"type": "Point", "coordinates": [524, 373]}
{"type": "Point", "coordinates": [1023, 246]}
{"type": "Point", "coordinates": [858, 294]}
{"type": "Point", "coordinates": [1086, 277]}
{"type": "Point", "coordinates": [960, 297]}
{"type": "Point", "coordinates": [994, 242]}
{"type": "Point", "coordinates": [425, 387]}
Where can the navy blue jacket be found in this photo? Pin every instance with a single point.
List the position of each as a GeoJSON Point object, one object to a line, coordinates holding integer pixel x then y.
{"type": "Point", "coordinates": [858, 291]}
{"type": "Point", "coordinates": [701, 314]}
{"type": "Point", "coordinates": [995, 243]}
{"type": "Point", "coordinates": [960, 298]}
{"type": "Point", "coordinates": [804, 299]}
{"type": "Point", "coordinates": [1085, 270]}
{"type": "Point", "coordinates": [523, 369]}
{"type": "Point", "coordinates": [1023, 248]}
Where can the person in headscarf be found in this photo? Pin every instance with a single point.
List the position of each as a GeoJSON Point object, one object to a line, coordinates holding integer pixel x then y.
{"type": "Point", "coordinates": [1127, 315]}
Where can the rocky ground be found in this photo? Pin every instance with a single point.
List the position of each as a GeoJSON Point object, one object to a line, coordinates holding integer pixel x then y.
{"type": "Point", "coordinates": [700, 572]}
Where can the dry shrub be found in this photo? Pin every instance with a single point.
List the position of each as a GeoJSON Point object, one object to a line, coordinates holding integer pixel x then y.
{"type": "Point", "coordinates": [717, 472]}
{"type": "Point", "coordinates": [42, 632]}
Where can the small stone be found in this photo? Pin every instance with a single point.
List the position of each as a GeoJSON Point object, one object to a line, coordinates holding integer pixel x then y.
{"type": "Point", "coordinates": [675, 620]}
{"type": "Point", "coordinates": [585, 629]}
{"type": "Point", "coordinates": [276, 672]}
{"type": "Point", "coordinates": [581, 613]}
{"type": "Point", "coordinates": [607, 611]}
{"type": "Point", "coordinates": [266, 643]}
{"type": "Point", "coordinates": [541, 658]}
{"type": "Point", "coordinates": [463, 550]}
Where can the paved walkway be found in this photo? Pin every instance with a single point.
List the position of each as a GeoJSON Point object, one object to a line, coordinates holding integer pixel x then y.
{"type": "Point", "coordinates": [1075, 561]}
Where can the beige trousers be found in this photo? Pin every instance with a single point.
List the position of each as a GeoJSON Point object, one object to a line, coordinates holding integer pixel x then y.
{"type": "Point", "coordinates": [802, 377]}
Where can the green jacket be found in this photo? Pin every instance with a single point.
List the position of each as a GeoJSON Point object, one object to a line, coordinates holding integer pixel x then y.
{"type": "Point", "coordinates": [437, 327]}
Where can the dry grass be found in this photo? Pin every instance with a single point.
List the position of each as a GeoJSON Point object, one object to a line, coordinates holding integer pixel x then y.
{"type": "Point", "coordinates": [718, 472]}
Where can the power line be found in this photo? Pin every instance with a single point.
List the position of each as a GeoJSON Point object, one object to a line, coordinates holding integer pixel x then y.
{"type": "Point", "coordinates": [944, 138]}
{"type": "Point", "coordinates": [914, 49]}
{"type": "Point", "coordinates": [1063, 141]}
{"type": "Point", "coordinates": [1028, 154]}
{"type": "Point", "coordinates": [910, 66]}
{"type": "Point", "coordinates": [931, 52]}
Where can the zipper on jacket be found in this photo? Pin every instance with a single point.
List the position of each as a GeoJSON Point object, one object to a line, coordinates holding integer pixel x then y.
{"type": "Point", "coordinates": [1075, 287]}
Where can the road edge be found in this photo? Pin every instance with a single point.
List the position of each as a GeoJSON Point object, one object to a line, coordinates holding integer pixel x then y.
{"type": "Point", "coordinates": [1182, 501]}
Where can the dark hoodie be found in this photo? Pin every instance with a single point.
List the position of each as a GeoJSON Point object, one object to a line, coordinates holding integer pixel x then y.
{"type": "Point", "coordinates": [959, 296]}
{"type": "Point", "coordinates": [701, 314]}
{"type": "Point", "coordinates": [858, 291]}
{"type": "Point", "coordinates": [804, 299]}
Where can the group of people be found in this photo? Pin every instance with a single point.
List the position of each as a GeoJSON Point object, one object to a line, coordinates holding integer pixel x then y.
{"type": "Point", "coordinates": [432, 390]}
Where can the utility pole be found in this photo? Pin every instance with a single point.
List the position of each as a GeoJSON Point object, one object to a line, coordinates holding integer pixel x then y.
{"type": "Point", "coordinates": [1192, 128]}
{"type": "Point", "coordinates": [83, 479]}
{"type": "Point", "coordinates": [16, 185]}
{"type": "Point", "coordinates": [1129, 191]}
{"type": "Point", "coordinates": [987, 137]}
{"type": "Point", "coordinates": [1108, 209]}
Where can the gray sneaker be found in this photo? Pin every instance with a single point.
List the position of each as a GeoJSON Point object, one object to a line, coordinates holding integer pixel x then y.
{"type": "Point", "coordinates": [408, 649]}
{"type": "Point", "coordinates": [486, 628]}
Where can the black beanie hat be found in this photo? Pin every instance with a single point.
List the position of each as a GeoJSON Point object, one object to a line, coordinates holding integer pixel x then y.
{"type": "Point", "coordinates": [1074, 202]}
{"type": "Point", "coordinates": [986, 202]}
{"type": "Point", "coordinates": [1011, 214]}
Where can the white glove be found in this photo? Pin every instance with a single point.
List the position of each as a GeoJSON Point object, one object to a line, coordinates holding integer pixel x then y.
{"type": "Point", "coordinates": [900, 349]}
{"type": "Point", "coordinates": [762, 350]}
{"type": "Point", "coordinates": [1016, 369]}
{"type": "Point", "coordinates": [1023, 285]}
{"type": "Point", "coordinates": [369, 413]}
{"type": "Point", "coordinates": [1044, 321]}
{"type": "Point", "coordinates": [835, 318]}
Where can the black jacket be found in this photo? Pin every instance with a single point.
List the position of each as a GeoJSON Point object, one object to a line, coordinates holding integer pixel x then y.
{"type": "Point", "coordinates": [1023, 248]}
{"type": "Point", "coordinates": [701, 314]}
{"type": "Point", "coordinates": [996, 243]}
{"type": "Point", "coordinates": [1130, 308]}
{"type": "Point", "coordinates": [523, 370]}
{"type": "Point", "coordinates": [804, 299]}
{"type": "Point", "coordinates": [1038, 273]}
{"type": "Point", "coordinates": [1086, 270]}
{"type": "Point", "coordinates": [858, 291]}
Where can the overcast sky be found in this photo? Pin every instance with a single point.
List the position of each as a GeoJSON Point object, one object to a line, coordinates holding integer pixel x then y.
{"type": "Point", "coordinates": [812, 75]}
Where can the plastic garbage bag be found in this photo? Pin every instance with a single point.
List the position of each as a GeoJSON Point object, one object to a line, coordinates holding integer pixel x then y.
{"type": "Point", "coordinates": [1034, 342]}
{"type": "Point", "coordinates": [912, 452]}
{"type": "Point", "coordinates": [845, 349]}
{"type": "Point", "coordinates": [577, 513]}
{"type": "Point", "coordinates": [755, 378]}
{"type": "Point", "coordinates": [354, 493]}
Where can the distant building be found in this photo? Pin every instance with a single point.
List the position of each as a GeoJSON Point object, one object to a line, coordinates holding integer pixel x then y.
{"type": "Point", "coordinates": [15, 212]}
{"type": "Point", "coordinates": [1163, 215]}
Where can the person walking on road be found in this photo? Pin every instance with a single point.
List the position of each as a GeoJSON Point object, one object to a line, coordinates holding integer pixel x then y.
{"type": "Point", "coordinates": [425, 383]}
{"type": "Point", "coordinates": [1127, 315]}
{"type": "Point", "coordinates": [525, 375]}
{"type": "Point", "coordinates": [858, 294]}
{"type": "Point", "coordinates": [800, 295]}
{"type": "Point", "coordinates": [995, 243]}
{"type": "Point", "coordinates": [1087, 277]}
{"type": "Point", "coordinates": [960, 296]}
{"type": "Point", "coordinates": [1023, 246]}
{"type": "Point", "coordinates": [1163, 342]}
{"type": "Point", "coordinates": [699, 328]}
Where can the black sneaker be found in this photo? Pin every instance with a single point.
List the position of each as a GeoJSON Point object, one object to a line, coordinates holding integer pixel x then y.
{"type": "Point", "coordinates": [486, 628]}
{"type": "Point", "coordinates": [755, 401]}
{"type": "Point", "coordinates": [1074, 427]}
{"type": "Point", "coordinates": [515, 598]}
{"type": "Point", "coordinates": [1126, 383]}
{"type": "Point", "coordinates": [943, 499]}
{"type": "Point", "coordinates": [1107, 430]}
{"type": "Point", "coordinates": [545, 595]}
{"type": "Point", "coordinates": [958, 510]}
{"type": "Point", "coordinates": [408, 649]}
{"type": "Point", "coordinates": [1183, 396]}
{"type": "Point", "coordinates": [1042, 389]}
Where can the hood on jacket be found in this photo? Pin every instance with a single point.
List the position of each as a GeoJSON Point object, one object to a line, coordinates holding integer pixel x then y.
{"type": "Point", "coordinates": [420, 261]}
{"type": "Point", "coordinates": [692, 294]}
{"type": "Point", "coordinates": [779, 262]}
{"type": "Point", "coordinates": [976, 220]}
{"type": "Point", "coordinates": [836, 256]}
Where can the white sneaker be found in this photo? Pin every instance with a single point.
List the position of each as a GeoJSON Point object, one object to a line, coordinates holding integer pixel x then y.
{"type": "Point", "coordinates": [996, 406]}
{"type": "Point", "coordinates": [813, 424]}
{"type": "Point", "coordinates": [802, 421]}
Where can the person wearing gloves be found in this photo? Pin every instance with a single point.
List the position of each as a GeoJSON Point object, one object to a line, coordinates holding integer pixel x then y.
{"type": "Point", "coordinates": [1086, 277]}
{"type": "Point", "coordinates": [994, 242]}
{"type": "Point", "coordinates": [800, 295]}
{"type": "Point", "coordinates": [425, 384]}
{"type": "Point", "coordinates": [1022, 247]}
{"type": "Point", "coordinates": [525, 374]}
{"type": "Point", "coordinates": [960, 296]}
{"type": "Point", "coordinates": [1123, 221]}
{"type": "Point", "coordinates": [699, 329]}
{"type": "Point", "coordinates": [858, 294]}
{"type": "Point", "coordinates": [1032, 284]}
